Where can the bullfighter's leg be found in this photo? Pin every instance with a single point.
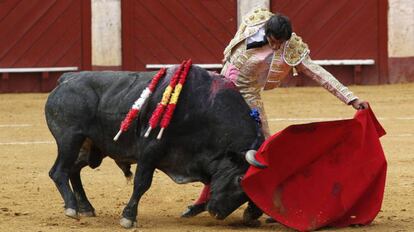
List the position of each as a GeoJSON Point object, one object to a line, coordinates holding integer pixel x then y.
{"type": "Point", "coordinates": [68, 149]}
{"type": "Point", "coordinates": [199, 205]}
{"type": "Point", "coordinates": [142, 182]}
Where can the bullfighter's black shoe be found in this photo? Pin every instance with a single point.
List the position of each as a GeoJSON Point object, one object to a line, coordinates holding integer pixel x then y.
{"type": "Point", "coordinates": [194, 210]}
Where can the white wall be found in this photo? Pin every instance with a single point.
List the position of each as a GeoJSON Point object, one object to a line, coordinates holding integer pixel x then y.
{"type": "Point", "coordinates": [401, 28]}
{"type": "Point", "coordinates": [106, 33]}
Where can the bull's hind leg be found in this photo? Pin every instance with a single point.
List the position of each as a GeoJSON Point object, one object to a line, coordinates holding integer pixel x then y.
{"type": "Point", "coordinates": [86, 157]}
{"type": "Point", "coordinates": [84, 206]}
{"type": "Point", "coordinates": [69, 145]}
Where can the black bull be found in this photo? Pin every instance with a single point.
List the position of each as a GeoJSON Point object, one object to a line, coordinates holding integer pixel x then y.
{"type": "Point", "coordinates": [209, 134]}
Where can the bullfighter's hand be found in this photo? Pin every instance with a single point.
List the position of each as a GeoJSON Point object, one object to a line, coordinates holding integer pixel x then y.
{"type": "Point", "coordinates": [359, 104]}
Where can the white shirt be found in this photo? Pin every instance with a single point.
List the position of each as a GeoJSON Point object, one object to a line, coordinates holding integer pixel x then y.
{"type": "Point", "coordinates": [257, 37]}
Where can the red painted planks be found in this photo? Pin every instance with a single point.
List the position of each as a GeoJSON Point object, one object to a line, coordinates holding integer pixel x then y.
{"type": "Point", "coordinates": [170, 31]}
{"type": "Point", "coordinates": [43, 33]}
{"type": "Point", "coordinates": [341, 29]}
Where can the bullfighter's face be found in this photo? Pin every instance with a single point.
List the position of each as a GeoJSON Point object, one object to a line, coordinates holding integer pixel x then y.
{"type": "Point", "coordinates": [226, 192]}
{"type": "Point", "coordinates": [274, 43]}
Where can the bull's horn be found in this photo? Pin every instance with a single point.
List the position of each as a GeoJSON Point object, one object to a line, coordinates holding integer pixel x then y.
{"type": "Point", "coordinates": [251, 159]}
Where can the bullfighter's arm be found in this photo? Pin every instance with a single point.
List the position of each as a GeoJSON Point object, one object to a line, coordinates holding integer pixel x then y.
{"type": "Point", "coordinates": [326, 79]}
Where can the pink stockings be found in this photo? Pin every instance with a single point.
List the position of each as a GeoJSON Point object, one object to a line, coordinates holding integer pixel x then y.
{"type": "Point", "coordinates": [204, 195]}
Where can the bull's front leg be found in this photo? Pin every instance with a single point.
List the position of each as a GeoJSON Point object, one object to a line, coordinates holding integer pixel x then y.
{"type": "Point", "coordinates": [142, 182]}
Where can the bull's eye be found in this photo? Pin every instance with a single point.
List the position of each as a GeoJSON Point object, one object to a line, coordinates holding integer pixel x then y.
{"type": "Point", "coordinates": [239, 179]}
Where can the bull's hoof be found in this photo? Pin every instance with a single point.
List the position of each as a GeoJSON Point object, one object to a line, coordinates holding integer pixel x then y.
{"type": "Point", "coordinates": [71, 213]}
{"type": "Point", "coordinates": [194, 210]}
{"type": "Point", "coordinates": [87, 214]}
{"type": "Point", "coordinates": [126, 223]}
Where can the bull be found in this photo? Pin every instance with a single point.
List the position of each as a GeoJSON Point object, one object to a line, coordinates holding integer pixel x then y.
{"type": "Point", "coordinates": [207, 140]}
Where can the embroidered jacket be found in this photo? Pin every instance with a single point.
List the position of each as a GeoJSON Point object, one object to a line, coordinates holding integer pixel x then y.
{"type": "Point", "coordinates": [253, 69]}
{"type": "Point", "coordinates": [259, 66]}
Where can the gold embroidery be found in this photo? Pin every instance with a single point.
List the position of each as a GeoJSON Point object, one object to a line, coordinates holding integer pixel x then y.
{"type": "Point", "coordinates": [239, 57]}
{"type": "Point", "coordinates": [295, 50]}
{"type": "Point", "coordinates": [278, 69]}
{"type": "Point", "coordinates": [251, 94]}
{"type": "Point", "coordinates": [257, 16]}
{"type": "Point", "coordinates": [329, 82]}
{"type": "Point", "coordinates": [249, 26]}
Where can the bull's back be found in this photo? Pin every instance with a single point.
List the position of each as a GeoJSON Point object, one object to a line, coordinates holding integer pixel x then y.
{"type": "Point", "coordinates": [81, 98]}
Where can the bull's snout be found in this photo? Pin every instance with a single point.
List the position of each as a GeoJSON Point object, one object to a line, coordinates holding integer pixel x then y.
{"type": "Point", "coordinates": [251, 159]}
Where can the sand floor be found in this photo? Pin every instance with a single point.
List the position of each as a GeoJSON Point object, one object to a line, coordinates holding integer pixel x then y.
{"type": "Point", "coordinates": [29, 201]}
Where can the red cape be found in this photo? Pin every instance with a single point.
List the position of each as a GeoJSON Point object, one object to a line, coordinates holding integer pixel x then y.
{"type": "Point", "coordinates": [321, 174]}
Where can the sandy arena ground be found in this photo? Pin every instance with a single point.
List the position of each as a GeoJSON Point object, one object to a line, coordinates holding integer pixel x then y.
{"type": "Point", "coordinates": [29, 201]}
